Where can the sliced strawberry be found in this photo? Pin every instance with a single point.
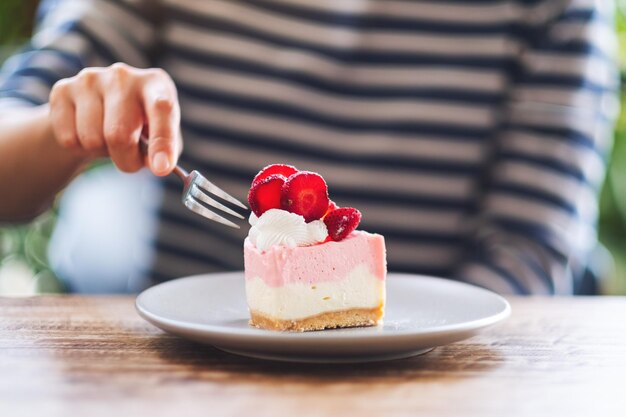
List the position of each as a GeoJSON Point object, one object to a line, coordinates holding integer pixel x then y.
{"type": "Point", "coordinates": [341, 222]}
{"type": "Point", "coordinates": [284, 170]}
{"type": "Point", "coordinates": [331, 206]}
{"type": "Point", "coordinates": [266, 194]}
{"type": "Point", "coordinates": [305, 193]}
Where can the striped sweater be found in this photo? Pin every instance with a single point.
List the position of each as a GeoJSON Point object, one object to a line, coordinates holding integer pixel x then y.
{"type": "Point", "coordinates": [471, 134]}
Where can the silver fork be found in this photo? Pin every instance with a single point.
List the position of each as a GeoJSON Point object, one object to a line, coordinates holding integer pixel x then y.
{"type": "Point", "coordinates": [197, 189]}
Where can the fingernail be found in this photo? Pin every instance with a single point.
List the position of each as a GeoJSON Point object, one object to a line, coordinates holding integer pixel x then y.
{"type": "Point", "coordinates": [160, 162]}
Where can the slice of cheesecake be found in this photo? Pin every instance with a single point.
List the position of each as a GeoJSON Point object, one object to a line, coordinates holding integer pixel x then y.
{"type": "Point", "coordinates": [329, 285]}
{"type": "Point", "coordinates": [306, 267]}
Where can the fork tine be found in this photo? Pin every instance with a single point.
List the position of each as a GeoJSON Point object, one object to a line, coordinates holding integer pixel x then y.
{"type": "Point", "coordinates": [214, 189]}
{"type": "Point", "coordinates": [198, 208]}
{"type": "Point", "coordinates": [200, 195]}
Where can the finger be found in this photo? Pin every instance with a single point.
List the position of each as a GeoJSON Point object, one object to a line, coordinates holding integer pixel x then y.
{"type": "Point", "coordinates": [89, 121]}
{"type": "Point", "coordinates": [163, 118]}
{"type": "Point", "coordinates": [123, 121]}
{"type": "Point", "coordinates": [63, 117]}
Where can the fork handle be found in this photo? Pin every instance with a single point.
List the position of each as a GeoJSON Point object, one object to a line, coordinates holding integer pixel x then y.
{"type": "Point", "coordinates": [182, 174]}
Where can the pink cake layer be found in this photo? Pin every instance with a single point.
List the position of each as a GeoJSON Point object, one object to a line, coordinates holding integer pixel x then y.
{"type": "Point", "coordinates": [330, 261]}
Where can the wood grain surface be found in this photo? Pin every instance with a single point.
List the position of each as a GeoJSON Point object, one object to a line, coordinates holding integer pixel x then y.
{"type": "Point", "coordinates": [94, 356]}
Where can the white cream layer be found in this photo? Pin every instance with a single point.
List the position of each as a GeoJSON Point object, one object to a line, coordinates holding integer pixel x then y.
{"type": "Point", "coordinates": [278, 227]}
{"type": "Point", "coordinates": [360, 289]}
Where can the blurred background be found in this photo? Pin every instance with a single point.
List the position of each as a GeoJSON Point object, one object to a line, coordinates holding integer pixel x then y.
{"type": "Point", "coordinates": [24, 268]}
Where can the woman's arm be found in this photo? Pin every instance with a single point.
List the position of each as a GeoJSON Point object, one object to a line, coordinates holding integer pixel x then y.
{"type": "Point", "coordinates": [99, 112]}
{"type": "Point", "coordinates": [43, 146]}
{"type": "Point", "coordinates": [34, 166]}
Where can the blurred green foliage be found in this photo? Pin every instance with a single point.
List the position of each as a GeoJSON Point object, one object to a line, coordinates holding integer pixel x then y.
{"type": "Point", "coordinates": [612, 224]}
{"type": "Point", "coordinates": [24, 265]}
{"type": "Point", "coordinates": [24, 268]}
{"type": "Point", "coordinates": [24, 248]}
{"type": "Point", "coordinates": [16, 20]}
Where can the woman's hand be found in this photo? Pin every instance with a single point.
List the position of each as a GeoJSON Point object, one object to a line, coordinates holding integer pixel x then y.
{"type": "Point", "coordinates": [103, 111]}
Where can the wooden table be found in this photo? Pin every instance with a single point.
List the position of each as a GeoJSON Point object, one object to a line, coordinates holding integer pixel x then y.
{"type": "Point", "coordinates": [93, 356]}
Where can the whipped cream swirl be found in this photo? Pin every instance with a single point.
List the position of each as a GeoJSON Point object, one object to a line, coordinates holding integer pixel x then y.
{"type": "Point", "coordinates": [282, 228]}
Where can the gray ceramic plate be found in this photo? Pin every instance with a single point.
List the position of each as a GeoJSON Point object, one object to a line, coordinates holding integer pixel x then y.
{"type": "Point", "coordinates": [421, 313]}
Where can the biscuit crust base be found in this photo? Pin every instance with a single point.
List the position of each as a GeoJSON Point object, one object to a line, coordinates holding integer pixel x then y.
{"type": "Point", "coordinates": [355, 317]}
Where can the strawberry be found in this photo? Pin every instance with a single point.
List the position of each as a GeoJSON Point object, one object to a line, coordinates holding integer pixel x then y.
{"type": "Point", "coordinates": [266, 194]}
{"type": "Point", "coordinates": [331, 206]}
{"type": "Point", "coordinates": [341, 222]}
{"type": "Point", "coordinates": [305, 193]}
{"type": "Point", "coordinates": [284, 170]}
